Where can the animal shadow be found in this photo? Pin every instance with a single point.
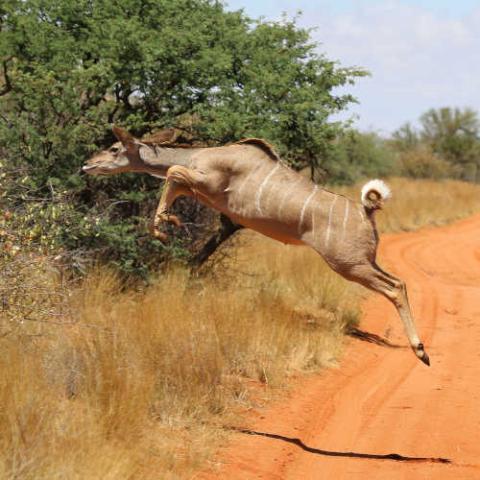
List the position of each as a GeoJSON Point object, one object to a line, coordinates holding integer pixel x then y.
{"type": "Point", "coordinates": [329, 453]}
{"type": "Point", "coordinates": [365, 336]}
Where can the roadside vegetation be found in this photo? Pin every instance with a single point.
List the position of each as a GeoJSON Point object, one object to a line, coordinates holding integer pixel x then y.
{"type": "Point", "coordinates": [98, 381]}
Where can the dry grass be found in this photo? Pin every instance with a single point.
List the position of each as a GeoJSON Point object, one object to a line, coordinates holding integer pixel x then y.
{"type": "Point", "coordinates": [136, 384]}
{"type": "Point", "coordinates": [117, 383]}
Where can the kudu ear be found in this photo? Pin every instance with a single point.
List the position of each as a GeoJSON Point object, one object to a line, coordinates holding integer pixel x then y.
{"type": "Point", "coordinates": [123, 136]}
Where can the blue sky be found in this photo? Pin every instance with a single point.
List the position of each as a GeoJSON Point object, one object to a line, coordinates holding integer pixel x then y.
{"type": "Point", "coordinates": [421, 53]}
{"type": "Point", "coordinates": [271, 8]}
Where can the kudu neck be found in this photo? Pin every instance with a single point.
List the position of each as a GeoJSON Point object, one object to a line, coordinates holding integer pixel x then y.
{"type": "Point", "coordinates": [157, 160]}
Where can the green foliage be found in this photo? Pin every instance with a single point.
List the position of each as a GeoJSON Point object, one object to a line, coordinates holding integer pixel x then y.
{"type": "Point", "coordinates": [405, 138]}
{"type": "Point", "coordinates": [53, 225]}
{"type": "Point", "coordinates": [421, 162]}
{"type": "Point", "coordinates": [69, 68]}
{"type": "Point", "coordinates": [356, 155]}
{"type": "Point", "coordinates": [75, 66]}
{"type": "Point", "coordinates": [453, 133]}
{"type": "Point", "coordinates": [447, 144]}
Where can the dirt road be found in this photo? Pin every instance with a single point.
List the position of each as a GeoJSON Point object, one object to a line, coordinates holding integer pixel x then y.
{"type": "Point", "coordinates": [346, 423]}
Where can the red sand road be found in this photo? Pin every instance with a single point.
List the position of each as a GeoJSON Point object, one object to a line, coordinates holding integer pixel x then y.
{"type": "Point", "coordinates": [381, 400]}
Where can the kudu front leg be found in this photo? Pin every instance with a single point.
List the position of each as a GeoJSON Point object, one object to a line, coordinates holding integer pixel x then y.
{"type": "Point", "coordinates": [162, 215]}
{"type": "Point", "coordinates": [176, 184]}
{"type": "Point", "coordinates": [180, 180]}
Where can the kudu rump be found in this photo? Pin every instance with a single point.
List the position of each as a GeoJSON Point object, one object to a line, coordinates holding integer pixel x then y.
{"type": "Point", "coordinates": [248, 182]}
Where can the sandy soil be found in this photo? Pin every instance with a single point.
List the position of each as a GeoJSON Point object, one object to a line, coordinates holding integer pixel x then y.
{"type": "Point", "coordinates": [382, 414]}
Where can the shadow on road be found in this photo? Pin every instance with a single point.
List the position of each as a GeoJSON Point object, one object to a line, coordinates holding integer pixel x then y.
{"type": "Point", "coordinates": [373, 456]}
{"type": "Point", "coordinates": [372, 338]}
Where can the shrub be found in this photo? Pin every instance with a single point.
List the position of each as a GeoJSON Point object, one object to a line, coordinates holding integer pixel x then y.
{"type": "Point", "coordinates": [421, 162]}
{"type": "Point", "coordinates": [357, 155]}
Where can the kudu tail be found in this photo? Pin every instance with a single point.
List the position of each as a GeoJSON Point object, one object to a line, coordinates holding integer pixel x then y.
{"type": "Point", "coordinates": [374, 194]}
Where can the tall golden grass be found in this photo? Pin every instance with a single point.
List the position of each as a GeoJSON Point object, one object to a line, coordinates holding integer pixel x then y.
{"type": "Point", "coordinates": [99, 381]}
{"type": "Point", "coordinates": [130, 384]}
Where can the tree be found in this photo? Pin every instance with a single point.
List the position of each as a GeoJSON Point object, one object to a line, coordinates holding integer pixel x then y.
{"type": "Point", "coordinates": [447, 144]}
{"type": "Point", "coordinates": [69, 68]}
{"type": "Point", "coordinates": [454, 134]}
{"type": "Point", "coordinates": [405, 138]}
{"type": "Point", "coordinates": [355, 155]}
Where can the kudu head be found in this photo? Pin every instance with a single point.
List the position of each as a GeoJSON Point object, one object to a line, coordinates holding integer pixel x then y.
{"type": "Point", "coordinates": [132, 155]}
{"type": "Point", "coordinates": [122, 156]}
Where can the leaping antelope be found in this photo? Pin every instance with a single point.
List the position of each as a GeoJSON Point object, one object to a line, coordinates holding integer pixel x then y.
{"type": "Point", "coordinates": [248, 182]}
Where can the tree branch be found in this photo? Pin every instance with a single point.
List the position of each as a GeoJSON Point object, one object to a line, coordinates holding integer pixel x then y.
{"type": "Point", "coordinates": [8, 84]}
{"type": "Point", "coordinates": [226, 230]}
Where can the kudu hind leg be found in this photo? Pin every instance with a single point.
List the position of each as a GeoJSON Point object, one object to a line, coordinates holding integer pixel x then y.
{"type": "Point", "coordinates": [395, 290]}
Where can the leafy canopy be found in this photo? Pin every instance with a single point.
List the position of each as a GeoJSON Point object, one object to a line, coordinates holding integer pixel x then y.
{"type": "Point", "coordinates": [73, 66]}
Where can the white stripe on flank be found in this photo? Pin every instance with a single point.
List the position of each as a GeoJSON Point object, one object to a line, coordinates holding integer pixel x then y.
{"type": "Point", "coordinates": [285, 196]}
{"type": "Point", "coordinates": [327, 235]}
{"type": "Point", "coordinates": [262, 186]}
{"type": "Point", "coordinates": [307, 201]}
{"type": "Point", "coordinates": [345, 217]}
{"type": "Point", "coordinates": [360, 212]}
{"type": "Point", "coordinates": [313, 224]}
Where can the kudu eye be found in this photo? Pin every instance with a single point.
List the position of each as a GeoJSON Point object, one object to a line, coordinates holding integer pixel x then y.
{"type": "Point", "coordinates": [114, 149]}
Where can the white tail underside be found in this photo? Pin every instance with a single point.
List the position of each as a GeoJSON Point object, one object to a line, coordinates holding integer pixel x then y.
{"type": "Point", "coordinates": [378, 186]}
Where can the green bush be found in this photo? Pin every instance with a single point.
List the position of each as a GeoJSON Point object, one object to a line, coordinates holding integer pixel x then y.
{"type": "Point", "coordinates": [447, 144]}
{"type": "Point", "coordinates": [357, 155]}
{"type": "Point", "coordinates": [421, 162]}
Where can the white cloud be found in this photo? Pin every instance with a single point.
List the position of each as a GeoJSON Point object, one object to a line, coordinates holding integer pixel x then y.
{"type": "Point", "coordinates": [418, 59]}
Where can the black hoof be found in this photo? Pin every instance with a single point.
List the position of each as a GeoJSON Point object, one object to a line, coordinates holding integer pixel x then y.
{"type": "Point", "coordinates": [424, 358]}
{"type": "Point", "coordinates": [421, 354]}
